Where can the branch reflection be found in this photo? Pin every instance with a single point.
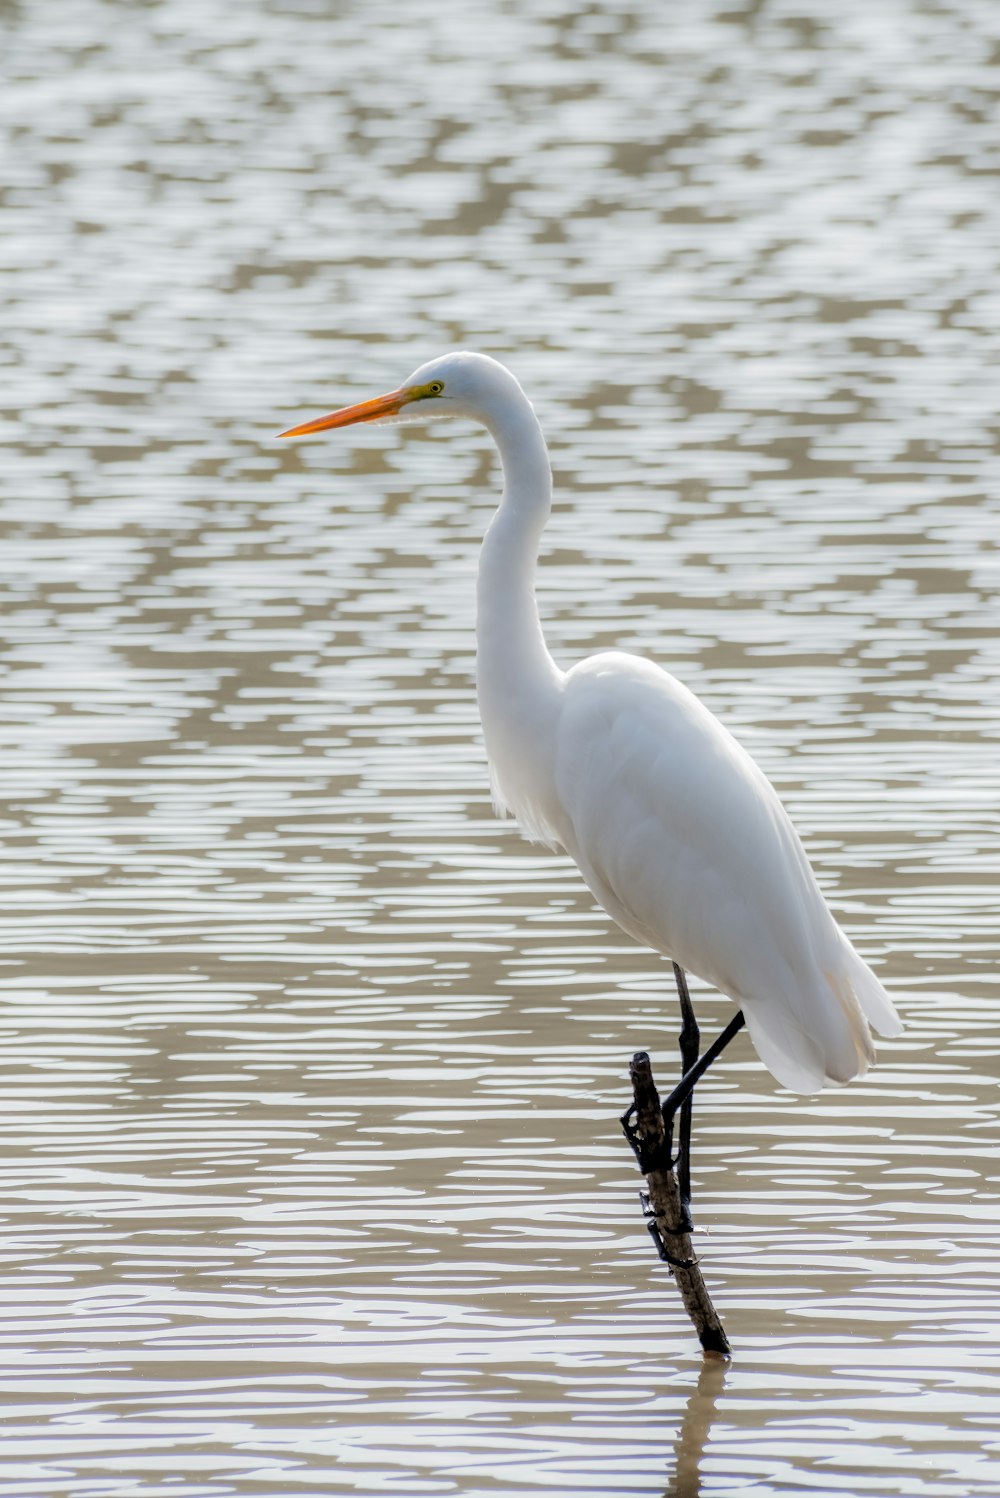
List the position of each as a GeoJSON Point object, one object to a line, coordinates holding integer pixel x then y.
{"type": "Point", "coordinates": [695, 1429]}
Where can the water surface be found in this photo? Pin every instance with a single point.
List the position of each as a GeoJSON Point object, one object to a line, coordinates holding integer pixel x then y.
{"type": "Point", "coordinates": [311, 1173]}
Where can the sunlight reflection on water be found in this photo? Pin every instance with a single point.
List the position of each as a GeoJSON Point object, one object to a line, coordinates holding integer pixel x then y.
{"type": "Point", "coordinates": [311, 1069]}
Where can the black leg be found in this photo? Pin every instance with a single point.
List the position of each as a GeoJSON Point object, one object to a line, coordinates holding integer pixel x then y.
{"type": "Point", "coordinates": [690, 1040]}
{"type": "Point", "coordinates": [689, 1081]}
{"type": "Point", "coordinates": [680, 1099]}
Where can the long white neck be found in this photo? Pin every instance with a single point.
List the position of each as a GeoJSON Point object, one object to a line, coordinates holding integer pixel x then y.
{"type": "Point", "coordinates": [519, 684]}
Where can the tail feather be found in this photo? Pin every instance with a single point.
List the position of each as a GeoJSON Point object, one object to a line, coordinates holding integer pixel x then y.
{"type": "Point", "coordinates": [790, 1055]}
{"type": "Point", "coordinates": [817, 1043]}
{"type": "Point", "coordinates": [849, 1050]}
{"type": "Point", "coordinates": [872, 997]}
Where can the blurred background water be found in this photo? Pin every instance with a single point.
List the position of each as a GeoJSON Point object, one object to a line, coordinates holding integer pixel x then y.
{"type": "Point", "coordinates": [310, 1069]}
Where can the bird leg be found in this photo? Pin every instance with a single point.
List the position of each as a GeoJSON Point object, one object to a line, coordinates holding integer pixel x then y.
{"type": "Point", "coordinates": [679, 1100]}
{"type": "Point", "coordinates": [689, 1040]}
{"type": "Point", "coordinates": [645, 1130]}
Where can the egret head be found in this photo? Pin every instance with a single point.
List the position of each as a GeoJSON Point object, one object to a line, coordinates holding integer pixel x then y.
{"type": "Point", "coordinates": [459, 384]}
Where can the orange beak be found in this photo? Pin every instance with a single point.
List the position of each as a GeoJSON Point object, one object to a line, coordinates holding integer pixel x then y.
{"type": "Point", "coordinates": [373, 410]}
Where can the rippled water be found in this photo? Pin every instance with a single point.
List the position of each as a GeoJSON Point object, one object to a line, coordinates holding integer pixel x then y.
{"type": "Point", "coordinates": [311, 1174]}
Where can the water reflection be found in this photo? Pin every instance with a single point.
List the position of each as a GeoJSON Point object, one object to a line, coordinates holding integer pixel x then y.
{"type": "Point", "coordinates": [310, 1068]}
{"type": "Point", "coordinates": [695, 1431]}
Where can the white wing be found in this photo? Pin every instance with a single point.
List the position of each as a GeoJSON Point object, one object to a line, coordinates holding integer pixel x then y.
{"type": "Point", "coordinates": [685, 843]}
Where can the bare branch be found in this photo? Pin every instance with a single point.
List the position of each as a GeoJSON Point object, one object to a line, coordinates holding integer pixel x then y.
{"type": "Point", "coordinates": [667, 1220]}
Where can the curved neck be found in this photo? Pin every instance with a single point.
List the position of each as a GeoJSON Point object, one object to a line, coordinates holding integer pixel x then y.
{"type": "Point", "coordinates": [517, 679]}
{"type": "Point", "coordinates": [511, 646]}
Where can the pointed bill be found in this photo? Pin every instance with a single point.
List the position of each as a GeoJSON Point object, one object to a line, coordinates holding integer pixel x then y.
{"type": "Point", "coordinates": [372, 410]}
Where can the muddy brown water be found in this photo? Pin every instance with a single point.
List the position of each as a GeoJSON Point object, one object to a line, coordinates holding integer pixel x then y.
{"type": "Point", "coordinates": [310, 1174]}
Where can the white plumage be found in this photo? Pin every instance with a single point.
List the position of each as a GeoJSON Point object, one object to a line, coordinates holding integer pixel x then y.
{"type": "Point", "coordinates": [678, 834]}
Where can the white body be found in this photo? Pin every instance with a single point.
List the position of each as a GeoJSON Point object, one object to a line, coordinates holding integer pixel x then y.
{"type": "Point", "coordinates": [684, 842]}
{"type": "Point", "coordinates": [676, 831]}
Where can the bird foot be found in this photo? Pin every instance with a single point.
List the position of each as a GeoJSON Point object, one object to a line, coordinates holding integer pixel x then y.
{"type": "Point", "coordinates": [648, 1158]}
{"type": "Point", "coordinates": [663, 1252]}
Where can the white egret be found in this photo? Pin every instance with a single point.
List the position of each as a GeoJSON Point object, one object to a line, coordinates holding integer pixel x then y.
{"type": "Point", "coordinates": [676, 831]}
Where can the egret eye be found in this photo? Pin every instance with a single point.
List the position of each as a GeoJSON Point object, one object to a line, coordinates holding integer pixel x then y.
{"type": "Point", "coordinates": [435, 387]}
